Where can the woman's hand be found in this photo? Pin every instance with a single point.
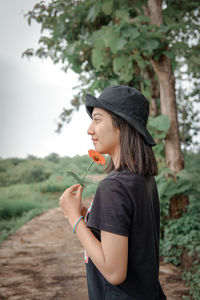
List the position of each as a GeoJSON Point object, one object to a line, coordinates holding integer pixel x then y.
{"type": "Point", "coordinates": [71, 203]}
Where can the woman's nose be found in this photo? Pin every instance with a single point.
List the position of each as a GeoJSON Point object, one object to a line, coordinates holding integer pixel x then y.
{"type": "Point", "coordinates": [90, 130]}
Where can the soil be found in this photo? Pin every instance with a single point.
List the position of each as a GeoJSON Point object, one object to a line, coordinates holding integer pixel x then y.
{"type": "Point", "coordinates": [44, 260]}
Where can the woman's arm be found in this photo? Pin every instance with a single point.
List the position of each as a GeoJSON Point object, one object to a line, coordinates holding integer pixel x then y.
{"type": "Point", "coordinates": [111, 254]}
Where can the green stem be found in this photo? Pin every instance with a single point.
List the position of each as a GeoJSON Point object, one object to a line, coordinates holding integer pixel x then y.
{"type": "Point", "coordinates": [86, 172]}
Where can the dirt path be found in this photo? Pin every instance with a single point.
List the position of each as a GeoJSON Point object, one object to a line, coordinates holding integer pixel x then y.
{"type": "Point", "coordinates": [44, 261]}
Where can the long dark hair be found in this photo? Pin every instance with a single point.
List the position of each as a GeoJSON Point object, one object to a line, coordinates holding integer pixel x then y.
{"type": "Point", "coordinates": [135, 153]}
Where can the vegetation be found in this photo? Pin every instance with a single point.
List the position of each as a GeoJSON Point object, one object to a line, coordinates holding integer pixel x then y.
{"type": "Point", "coordinates": [152, 45]}
{"type": "Point", "coordinates": [23, 199]}
{"type": "Point", "coordinates": [180, 235]}
{"type": "Point", "coordinates": [29, 187]}
{"type": "Point", "coordinates": [146, 44]}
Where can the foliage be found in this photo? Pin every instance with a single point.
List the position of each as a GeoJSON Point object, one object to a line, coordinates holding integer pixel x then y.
{"type": "Point", "coordinates": [159, 127]}
{"type": "Point", "coordinates": [193, 277]}
{"type": "Point", "coordinates": [53, 157]}
{"type": "Point", "coordinates": [22, 171]}
{"type": "Point", "coordinates": [21, 201]}
{"type": "Point", "coordinates": [18, 204]}
{"type": "Point", "coordinates": [112, 42]}
{"type": "Point", "coordinates": [14, 171]}
{"type": "Point", "coordinates": [179, 236]}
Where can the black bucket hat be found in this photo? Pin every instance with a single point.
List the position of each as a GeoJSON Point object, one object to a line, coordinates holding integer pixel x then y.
{"type": "Point", "coordinates": [125, 102]}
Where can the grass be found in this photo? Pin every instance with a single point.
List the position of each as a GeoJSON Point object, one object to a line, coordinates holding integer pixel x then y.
{"type": "Point", "coordinates": [20, 203]}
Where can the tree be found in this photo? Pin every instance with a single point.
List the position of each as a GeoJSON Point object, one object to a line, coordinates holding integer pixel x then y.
{"type": "Point", "coordinates": [122, 42]}
{"type": "Point", "coordinates": [163, 69]}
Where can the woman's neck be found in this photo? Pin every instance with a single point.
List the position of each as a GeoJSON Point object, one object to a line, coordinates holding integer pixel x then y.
{"type": "Point", "coordinates": [116, 159]}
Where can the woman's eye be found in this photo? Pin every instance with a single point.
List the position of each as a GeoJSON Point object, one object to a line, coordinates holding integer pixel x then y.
{"type": "Point", "coordinates": [96, 120]}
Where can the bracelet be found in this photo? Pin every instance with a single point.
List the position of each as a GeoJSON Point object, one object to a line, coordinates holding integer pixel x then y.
{"type": "Point", "coordinates": [81, 217]}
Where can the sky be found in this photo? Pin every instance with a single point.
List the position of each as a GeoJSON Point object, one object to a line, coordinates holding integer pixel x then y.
{"type": "Point", "coordinates": [33, 93]}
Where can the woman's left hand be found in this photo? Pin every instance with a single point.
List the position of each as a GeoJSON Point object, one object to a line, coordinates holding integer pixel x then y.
{"type": "Point", "coordinates": [70, 203]}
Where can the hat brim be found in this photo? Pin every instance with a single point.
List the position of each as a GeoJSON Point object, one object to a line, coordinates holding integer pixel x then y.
{"type": "Point", "coordinates": [91, 102]}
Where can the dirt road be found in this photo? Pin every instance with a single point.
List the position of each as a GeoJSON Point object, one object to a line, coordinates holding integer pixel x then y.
{"type": "Point", "coordinates": [45, 261]}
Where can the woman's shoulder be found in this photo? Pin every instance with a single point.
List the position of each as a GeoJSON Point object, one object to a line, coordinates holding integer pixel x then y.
{"type": "Point", "coordinates": [125, 176]}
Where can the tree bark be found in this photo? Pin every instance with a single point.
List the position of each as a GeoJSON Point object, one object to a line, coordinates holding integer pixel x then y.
{"type": "Point", "coordinates": [155, 92]}
{"type": "Point", "coordinates": [163, 69]}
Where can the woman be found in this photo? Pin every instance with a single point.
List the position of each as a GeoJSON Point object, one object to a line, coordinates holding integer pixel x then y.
{"type": "Point", "coordinates": [121, 237]}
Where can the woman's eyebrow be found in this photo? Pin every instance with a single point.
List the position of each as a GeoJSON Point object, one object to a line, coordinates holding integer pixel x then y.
{"type": "Point", "coordinates": [97, 113]}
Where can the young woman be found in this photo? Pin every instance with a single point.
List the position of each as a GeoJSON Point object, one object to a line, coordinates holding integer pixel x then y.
{"type": "Point", "coordinates": [121, 236]}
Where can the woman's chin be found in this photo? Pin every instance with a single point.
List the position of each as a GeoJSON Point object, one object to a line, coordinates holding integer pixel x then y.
{"type": "Point", "coordinates": [98, 149]}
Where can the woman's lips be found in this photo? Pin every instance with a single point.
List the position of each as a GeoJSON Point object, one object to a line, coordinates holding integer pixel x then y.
{"type": "Point", "coordinates": [94, 140]}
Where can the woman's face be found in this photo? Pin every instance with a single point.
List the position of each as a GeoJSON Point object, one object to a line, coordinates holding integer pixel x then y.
{"type": "Point", "coordinates": [104, 135]}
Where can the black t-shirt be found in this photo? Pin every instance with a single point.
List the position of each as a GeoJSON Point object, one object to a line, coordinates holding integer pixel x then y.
{"type": "Point", "coordinates": [128, 204]}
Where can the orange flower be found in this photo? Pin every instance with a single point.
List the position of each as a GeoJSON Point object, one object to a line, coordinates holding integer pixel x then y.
{"type": "Point", "coordinates": [97, 157]}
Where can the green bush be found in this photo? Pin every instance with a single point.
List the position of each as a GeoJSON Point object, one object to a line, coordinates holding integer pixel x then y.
{"type": "Point", "coordinates": [182, 235]}
{"type": "Point", "coordinates": [20, 203]}
{"type": "Point", "coordinates": [54, 184]}
{"type": "Point", "coordinates": [35, 174]}
{"type": "Point", "coordinates": [32, 169]}
{"type": "Point", "coordinates": [15, 208]}
{"type": "Point", "coordinates": [53, 157]}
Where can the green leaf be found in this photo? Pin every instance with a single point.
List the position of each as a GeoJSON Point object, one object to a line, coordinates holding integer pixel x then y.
{"type": "Point", "coordinates": [111, 39]}
{"type": "Point", "coordinates": [75, 176]}
{"type": "Point", "coordinates": [161, 123]}
{"type": "Point", "coordinates": [96, 39]}
{"type": "Point", "coordinates": [149, 45]}
{"type": "Point", "coordinates": [126, 74]}
{"type": "Point", "coordinates": [131, 32]}
{"type": "Point", "coordinates": [161, 135]}
{"type": "Point", "coordinates": [94, 11]}
{"type": "Point", "coordinates": [121, 43]}
{"type": "Point", "coordinates": [159, 148]}
{"type": "Point", "coordinates": [123, 15]}
{"type": "Point", "coordinates": [119, 62]}
{"type": "Point", "coordinates": [107, 7]}
{"type": "Point", "coordinates": [97, 58]}
{"type": "Point", "coordinates": [123, 67]}
{"type": "Point", "coordinates": [139, 60]}
{"type": "Point", "coordinates": [163, 28]}
{"type": "Point", "coordinates": [71, 48]}
{"type": "Point", "coordinates": [143, 18]}
{"type": "Point", "coordinates": [169, 54]}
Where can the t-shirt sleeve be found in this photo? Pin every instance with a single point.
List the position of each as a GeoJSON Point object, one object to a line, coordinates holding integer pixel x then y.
{"type": "Point", "coordinates": [111, 209]}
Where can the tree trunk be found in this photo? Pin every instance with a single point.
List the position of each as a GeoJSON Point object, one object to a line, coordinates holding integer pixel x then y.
{"type": "Point", "coordinates": [163, 69]}
{"type": "Point", "coordinates": [173, 153]}
{"type": "Point", "coordinates": [155, 92]}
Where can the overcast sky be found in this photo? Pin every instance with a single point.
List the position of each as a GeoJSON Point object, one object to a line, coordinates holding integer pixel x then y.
{"type": "Point", "coordinates": [33, 93]}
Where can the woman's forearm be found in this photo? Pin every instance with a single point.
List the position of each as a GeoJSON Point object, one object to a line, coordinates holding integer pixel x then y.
{"type": "Point", "coordinates": [109, 255]}
{"type": "Point", "coordinates": [94, 249]}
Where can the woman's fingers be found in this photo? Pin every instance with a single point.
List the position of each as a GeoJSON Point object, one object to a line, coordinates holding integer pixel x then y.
{"type": "Point", "coordinates": [79, 191]}
{"type": "Point", "coordinates": [73, 188]}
